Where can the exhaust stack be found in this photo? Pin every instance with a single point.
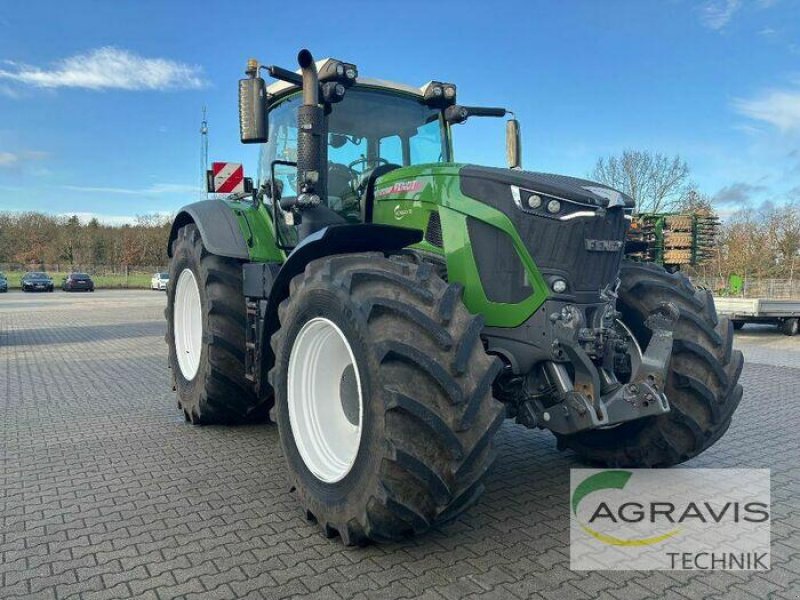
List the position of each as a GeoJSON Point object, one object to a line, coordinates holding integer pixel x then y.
{"type": "Point", "coordinates": [311, 138]}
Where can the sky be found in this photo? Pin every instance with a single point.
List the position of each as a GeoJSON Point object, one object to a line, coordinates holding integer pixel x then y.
{"type": "Point", "coordinates": [100, 102]}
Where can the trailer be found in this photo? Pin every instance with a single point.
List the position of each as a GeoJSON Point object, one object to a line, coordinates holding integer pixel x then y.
{"type": "Point", "coordinates": [785, 313]}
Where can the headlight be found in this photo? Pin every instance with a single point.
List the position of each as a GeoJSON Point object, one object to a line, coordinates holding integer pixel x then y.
{"type": "Point", "coordinates": [534, 201]}
{"type": "Point", "coordinates": [438, 94]}
{"type": "Point", "coordinates": [553, 206]}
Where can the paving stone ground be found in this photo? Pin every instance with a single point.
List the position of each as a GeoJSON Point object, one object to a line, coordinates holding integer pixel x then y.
{"type": "Point", "coordinates": [105, 492]}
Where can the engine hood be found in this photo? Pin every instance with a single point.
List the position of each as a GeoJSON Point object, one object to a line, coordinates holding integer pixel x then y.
{"type": "Point", "coordinates": [571, 189]}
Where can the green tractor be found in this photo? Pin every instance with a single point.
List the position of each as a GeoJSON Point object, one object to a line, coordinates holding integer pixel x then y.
{"type": "Point", "coordinates": [389, 308]}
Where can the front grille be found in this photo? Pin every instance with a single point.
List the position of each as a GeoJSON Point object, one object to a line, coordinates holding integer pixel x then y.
{"type": "Point", "coordinates": [560, 247]}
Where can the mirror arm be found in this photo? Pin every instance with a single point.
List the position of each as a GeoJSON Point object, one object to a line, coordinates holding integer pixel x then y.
{"type": "Point", "coordinates": [486, 111]}
{"type": "Point", "coordinates": [457, 114]}
{"type": "Point", "coordinates": [283, 74]}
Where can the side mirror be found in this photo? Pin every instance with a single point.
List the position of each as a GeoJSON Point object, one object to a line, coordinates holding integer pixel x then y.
{"type": "Point", "coordinates": [513, 145]}
{"type": "Point", "coordinates": [253, 122]}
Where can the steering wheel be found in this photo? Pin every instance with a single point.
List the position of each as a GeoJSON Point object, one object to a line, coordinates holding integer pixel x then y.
{"type": "Point", "coordinates": [357, 176]}
{"type": "Point", "coordinates": [365, 161]}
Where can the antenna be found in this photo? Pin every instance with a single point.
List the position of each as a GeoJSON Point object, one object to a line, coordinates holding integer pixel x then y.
{"type": "Point", "coordinates": [203, 154]}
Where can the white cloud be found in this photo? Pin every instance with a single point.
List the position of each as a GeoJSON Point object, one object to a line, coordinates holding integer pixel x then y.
{"type": "Point", "coordinates": [716, 14]}
{"type": "Point", "coordinates": [11, 160]}
{"type": "Point", "coordinates": [108, 68]}
{"type": "Point", "coordinates": [156, 188]}
{"type": "Point", "coordinates": [780, 108]}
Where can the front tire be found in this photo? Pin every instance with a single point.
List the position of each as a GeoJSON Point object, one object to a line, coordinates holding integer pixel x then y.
{"type": "Point", "coordinates": [399, 359]}
{"type": "Point", "coordinates": [206, 324]}
{"type": "Point", "coordinates": [702, 384]}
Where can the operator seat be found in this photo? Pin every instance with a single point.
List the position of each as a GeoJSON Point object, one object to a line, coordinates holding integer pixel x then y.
{"type": "Point", "coordinates": [368, 187]}
{"type": "Point", "coordinates": [339, 178]}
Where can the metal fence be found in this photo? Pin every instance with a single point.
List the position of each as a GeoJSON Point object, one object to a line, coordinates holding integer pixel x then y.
{"type": "Point", "coordinates": [753, 288]}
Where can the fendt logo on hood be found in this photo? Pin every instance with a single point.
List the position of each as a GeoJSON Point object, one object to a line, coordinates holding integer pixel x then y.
{"type": "Point", "coordinates": [400, 187]}
{"type": "Point", "coordinates": [676, 519]}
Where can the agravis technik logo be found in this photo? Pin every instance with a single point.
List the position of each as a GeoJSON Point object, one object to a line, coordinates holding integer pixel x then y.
{"type": "Point", "coordinates": [603, 481]}
{"type": "Point", "coordinates": [669, 519]}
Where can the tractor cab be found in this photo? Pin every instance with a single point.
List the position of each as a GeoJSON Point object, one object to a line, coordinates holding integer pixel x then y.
{"type": "Point", "coordinates": [371, 130]}
{"type": "Point", "coordinates": [365, 128]}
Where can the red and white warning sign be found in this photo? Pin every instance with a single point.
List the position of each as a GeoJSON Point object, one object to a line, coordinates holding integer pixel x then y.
{"type": "Point", "coordinates": [226, 178]}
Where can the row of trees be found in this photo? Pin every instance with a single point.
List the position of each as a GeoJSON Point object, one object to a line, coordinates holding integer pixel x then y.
{"type": "Point", "coordinates": [759, 244]}
{"type": "Point", "coordinates": [38, 239]}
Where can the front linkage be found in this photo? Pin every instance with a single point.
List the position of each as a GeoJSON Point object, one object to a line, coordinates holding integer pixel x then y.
{"type": "Point", "coordinates": [579, 389]}
{"type": "Point", "coordinates": [597, 398]}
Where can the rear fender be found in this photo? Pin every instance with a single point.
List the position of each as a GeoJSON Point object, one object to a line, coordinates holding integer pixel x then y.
{"type": "Point", "coordinates": [218, 226]}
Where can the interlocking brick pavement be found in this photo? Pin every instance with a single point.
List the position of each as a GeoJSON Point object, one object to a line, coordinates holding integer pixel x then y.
{"type": "Point", "coordinates": [105, 492]}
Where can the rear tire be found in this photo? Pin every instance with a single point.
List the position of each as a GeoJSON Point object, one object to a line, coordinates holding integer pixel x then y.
{"type": "Point", "coordinates": [790, 327]}
{"type": "Point", "coordinates": [702, 383]}
{"type": "Point", "coordinates": [209, 376]}
{"type": "Point", "coordinates": [427, 418]}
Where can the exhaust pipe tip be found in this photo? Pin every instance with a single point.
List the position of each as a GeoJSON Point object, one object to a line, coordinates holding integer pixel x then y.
{"type": "Point", "coordinates": [304, 58]}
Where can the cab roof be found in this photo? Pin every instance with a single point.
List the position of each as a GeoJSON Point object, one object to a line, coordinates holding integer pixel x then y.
{"type": "Point", "coordinates": [280, 88]}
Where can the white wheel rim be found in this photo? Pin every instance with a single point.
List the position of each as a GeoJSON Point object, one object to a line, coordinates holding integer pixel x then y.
{"type": "Point", "coordinates": [188, 324]}
{"type": "Point", "coordinates": [323, 397]}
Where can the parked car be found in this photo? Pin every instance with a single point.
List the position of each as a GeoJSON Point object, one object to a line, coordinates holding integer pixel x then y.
{"type": "Point", "coordinates": [77, 281]}
{"type": "Point", "coordinates": [159, 281]}
{"type": "Point", "coordinates": [3, 283]}
{"type": "Point", "coordinates": [36, 281]}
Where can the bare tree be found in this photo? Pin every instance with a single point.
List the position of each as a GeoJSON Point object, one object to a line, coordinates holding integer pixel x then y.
{"type": "Point", "coordinates": [694, 201]}
{"type": "Point", "coordinates": [656, 182]}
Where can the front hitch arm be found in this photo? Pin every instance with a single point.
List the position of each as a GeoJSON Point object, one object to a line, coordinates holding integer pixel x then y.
{"type": "Point", "coordinates": [643, 396]}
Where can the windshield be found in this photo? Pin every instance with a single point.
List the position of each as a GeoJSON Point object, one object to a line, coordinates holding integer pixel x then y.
{"type": "Point", "coordinates": [367, 129]}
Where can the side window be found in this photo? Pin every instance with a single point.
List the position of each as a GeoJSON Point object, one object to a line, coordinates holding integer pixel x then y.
{"type": "Point", "coordinates": [391, 149]}
{"type": "Point", "coordinates": [282, 145]}
{"type": "Point", "coordinates": [427, 144]}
